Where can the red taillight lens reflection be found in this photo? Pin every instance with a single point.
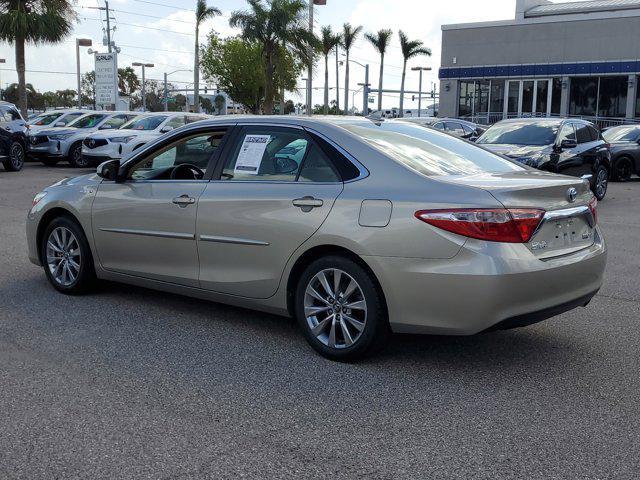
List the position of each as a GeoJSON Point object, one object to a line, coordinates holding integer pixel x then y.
{"type": "Point", "coordinates": [593, 206]}
{"type": "Point", "coordinates": [514, 225]}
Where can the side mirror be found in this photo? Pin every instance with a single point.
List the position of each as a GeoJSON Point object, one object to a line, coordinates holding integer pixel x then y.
{"type": "Point", "coordinates": [567, 144]}
{"type": "Point", "coordinates": [166, 128]}
{"type": "Point", "coordinates": [109, 170]}
{"type": "Point", "coordinates": [106, 126]}
{"type": "Point", "coordinates": [60, 124]}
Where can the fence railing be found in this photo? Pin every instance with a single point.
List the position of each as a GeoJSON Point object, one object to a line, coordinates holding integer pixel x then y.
{"type": "Point", "coordinates": [490, 118]}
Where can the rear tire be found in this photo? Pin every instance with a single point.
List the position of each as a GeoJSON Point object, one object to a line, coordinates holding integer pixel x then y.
{"type": "Point", "coordinates": [600, 182]}
{"type": "Point", "coordinates": [347, 319]}
{"type": "Point", "coordinates": [75, 157]}
{"type": "Point", "coordinates": [66, 257]}
{"type": "Point", "coordinates": [622, 169]}
{"type": "Point", "coordinates": [15, 160]}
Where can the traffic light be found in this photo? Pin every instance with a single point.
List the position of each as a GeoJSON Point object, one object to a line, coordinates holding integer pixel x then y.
{"type": "Point", "coordinates": [205, 89]}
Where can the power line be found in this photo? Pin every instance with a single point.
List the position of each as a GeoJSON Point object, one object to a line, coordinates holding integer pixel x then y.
{"type": "Point", "coordinates": [164, 30]}
{"type": "Point", "coordinates": [164, 5]}
{"type": "Point", "coordinates": [144, 15]}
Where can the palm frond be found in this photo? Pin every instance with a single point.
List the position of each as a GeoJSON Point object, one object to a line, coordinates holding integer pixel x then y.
{"type": "Point", "coordinates": [380, 40]}
{"type": "Point", "coordinates": [412, 48]}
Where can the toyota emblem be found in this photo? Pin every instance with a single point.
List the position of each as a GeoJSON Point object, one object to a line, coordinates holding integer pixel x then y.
{"type": "Point", "coordinates": [572, 194]}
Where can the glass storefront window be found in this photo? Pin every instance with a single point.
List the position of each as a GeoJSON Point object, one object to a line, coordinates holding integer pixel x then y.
{"type": "Point", "coordinates": [465, 101]}
{"type": "Point", "coordinates": [583, 96]}
{"type": "Point", "coordinates": [514, 96]}
{"type": "Point", "coordinates": [542, 94]}
{"type": "Point", "coordinates": [497, 96]}
{"type": "Point", "coordinates": [612, 99]}
{"type": "Point", "coordinates": [556, 96]}
{"type": "Point", "coordinates": [637, 98]}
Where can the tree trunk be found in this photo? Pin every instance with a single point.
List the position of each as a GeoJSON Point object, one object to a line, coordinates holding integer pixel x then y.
{"type": "Point", "coordinates": [346, 85]}
{"type": "Point", "coordinates": [269, 91]}
{"type": "Point", "coordinates": [281, 67]}
{"type": "Point", "coordinates": [380, 83]}
{"type": "Point", "coordinates": [196, 75]}
{"type": "Point", "coordinates": [404, 74]}
{"type": "Point", "coordinates": [337, 82]}
{"type": "Point", "coordinates": [22, 86]}
{"type": "Point", "coordinates": [326, 84]}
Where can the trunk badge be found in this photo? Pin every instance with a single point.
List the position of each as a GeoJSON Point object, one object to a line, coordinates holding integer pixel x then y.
{"type": "Point", "coordinates": [572, 194]}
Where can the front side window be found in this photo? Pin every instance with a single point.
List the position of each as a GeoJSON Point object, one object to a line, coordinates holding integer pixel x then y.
{"type": "Point", "coordinates": [9, 114]}
{"type": "Point", "coordinates": [455, 128]}
{"type": "Point", "coordinates": [583, 135]}
{"type": "Point", "coordinates": [439, 125]}
{"type": "Point", "coordinates": [114, 122]}
{"type": "Point", "coordinates": [144, 122]}
{"type": "Point", "coordinates": [88, 121]}
{"type": "Point", "coordinates": [278, 154]}
{"type": "Point", "coordinates": [567, 133]}
{"type": "Point", "coordinates": [45, 119]}
{"type": "Point", "coordinates": [67, 119]}
{"type": "Point", "coordinates": [176, 122]}
{"type": "Point", "coordinates": [622, 134]}
{"type": "Point", "coordinates": [190, 155]}
{"type": "Point", "coordinates": [521, 133]}
{"type": "Point", "coordinates": [429, 152]}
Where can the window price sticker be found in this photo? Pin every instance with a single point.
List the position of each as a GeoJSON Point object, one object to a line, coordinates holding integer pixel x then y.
{"type": "Point", "coordinates": [251, 153]}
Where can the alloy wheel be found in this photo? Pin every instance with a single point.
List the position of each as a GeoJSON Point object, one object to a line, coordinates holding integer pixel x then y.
{"type": "Point", "coordinates": [601, 183]}
{"type": "Point", "coordinates": [63, 256]}
{"type": "Point", "coordinates": [335, 308]}
{"type": "Point", "coordinates": [16, 155]}
{"type": "Point", "coordinates": [623, 169]}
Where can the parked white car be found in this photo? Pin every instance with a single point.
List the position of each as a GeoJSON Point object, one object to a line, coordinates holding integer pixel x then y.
{"type": "Point", "coordinates": [51, 145]}
{"type": "Point", "coordinates": [55, 118]}
{"type": "Point", "coordinates": [110, 145]}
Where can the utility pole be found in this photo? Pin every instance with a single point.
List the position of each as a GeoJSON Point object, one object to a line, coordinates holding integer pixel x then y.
{"type": "Point", "coordinates": [365, 91]}
{"type": "Point", "coordinates": [420, 69]}
{"type": "Point", "coordinates": [80, 42]}
{"type": "Point", "coordinates": [144, 96]}
{"type": "Point", "coordinates": [310, 67]}
{"type": "Point", "coordinates": [337, 80]}
{"type": "Point", "coordinates": [108, 26]}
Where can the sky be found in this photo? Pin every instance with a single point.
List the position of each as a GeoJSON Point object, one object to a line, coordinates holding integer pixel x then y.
{"type": "Point", "coordinates": [162, 32]}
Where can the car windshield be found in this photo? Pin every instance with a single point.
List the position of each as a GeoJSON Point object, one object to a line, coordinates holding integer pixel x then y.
{"type": "Point", "coordinates": [622, 134]}
{"type": "Point", "coordinates": [429, 152]}
{"type": "Point", "coordinates": [88, 121]}
{"type": "Point", "coordinates": [145, 122]}
{"type": "Point", "coordinates": [521, 133]}
{"type": "Point", "coordinates": [45, 119]}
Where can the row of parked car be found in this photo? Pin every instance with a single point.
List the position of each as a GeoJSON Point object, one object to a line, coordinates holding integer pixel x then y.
{"type": "Point", "coordinates": [81, 137]}
{"type": "Point", "coordinates": [567, 146]}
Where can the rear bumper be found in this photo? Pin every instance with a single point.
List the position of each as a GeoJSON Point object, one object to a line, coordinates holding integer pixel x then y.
{"type": "Point", "coordinates": [484, 285]}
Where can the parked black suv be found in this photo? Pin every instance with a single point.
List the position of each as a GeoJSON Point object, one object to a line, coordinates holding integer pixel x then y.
{"type": "Point", "coordinates": [567, 146]}
{"type": "Point", "coordinates": [13, 137]}
{"type": "Point", "coordinates": [453, 126]}
{"type": "Point", "coordinates": [625, 151]}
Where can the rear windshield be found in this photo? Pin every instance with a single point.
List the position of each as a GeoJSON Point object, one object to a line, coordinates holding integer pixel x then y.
{"type": "Point", "coordinates": [145, 122]}
{"type": "Point", "coordinates": [622, 134]}
{"type": "Point", "coordinates": [88, 121]}
{"type": "Point", "coordinates": [430, 152]}
{"type": "Point", "coordinates": [525, 133]}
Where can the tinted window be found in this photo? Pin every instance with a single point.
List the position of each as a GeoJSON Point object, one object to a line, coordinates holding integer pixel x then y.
{"type": "Point", "coordinates": [567, 132]}
{"type": "Point", "coordinates": [583, 134]}
{"type": "Point", "coordinates": [45, 119]}
{"type": "Point", "coordinates": [193, 150]}
{"type": "Point", "coordinates": [455, 128]}
{"type": "Point", "coordinates": [115, 122]}
{"type": "Point", "coordinates": [427, 151]}
{"type": "Point", "coordinates": [439, 125]}
{"type": "Point", "coordinates": [521, 133]}
{"type": "Point", "coordinates": [317, 167]}
{"type": "Point", "coordinates": [176, 122]}
{"type": "Point", "coordinates": [595, 134]}
{"type": "Point", "coordinates": [88, 121]}
{"type": "Point", "coordinates": [67, 119]}
{"type": "Point", "coordinates": [145, 122]}
{"type": "Point", "coordinates": [622, 134]}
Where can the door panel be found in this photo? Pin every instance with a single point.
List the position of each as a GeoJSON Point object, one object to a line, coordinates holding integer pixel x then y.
{"type": "Point", "coordinates": [248, 230]}
{"type": "Point", "coordinates": [138, 230]}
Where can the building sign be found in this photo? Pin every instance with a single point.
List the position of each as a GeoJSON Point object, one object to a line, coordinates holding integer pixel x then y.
{"type": "Point", "coordinates": [106, 78]}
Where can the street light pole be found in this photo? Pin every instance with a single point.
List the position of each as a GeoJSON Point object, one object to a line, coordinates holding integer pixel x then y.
{"type": "Point", "coordinates": [420, 69]}
{"type": "Point", "coordinates": [166, 87]}
{"type": "Point", "coordinates": [365, 85]}
{"type": "Point", "coordinates": [2, 60]}
{"type": "Point", "coordinates": [144, 91]}
{"type": "Point", "coordinates": [80, 42]}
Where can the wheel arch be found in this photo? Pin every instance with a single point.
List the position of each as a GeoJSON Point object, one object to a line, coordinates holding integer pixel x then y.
{"type": "Point", "coordinates": [316, 252]}
{"type": "Point", "coordinates": [47, 218]}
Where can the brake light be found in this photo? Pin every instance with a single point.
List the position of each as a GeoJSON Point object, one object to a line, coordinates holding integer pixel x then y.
{"type": "Point", "coordinates": [513, 225]}
{"type": "Point", "coordinates": [593, 206]}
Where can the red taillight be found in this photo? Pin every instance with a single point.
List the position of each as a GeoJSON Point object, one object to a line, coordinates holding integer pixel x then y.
{"type": "Point", "coordinates": [593, 206]}
{"type": "Point", "coordinates": [513, 225]}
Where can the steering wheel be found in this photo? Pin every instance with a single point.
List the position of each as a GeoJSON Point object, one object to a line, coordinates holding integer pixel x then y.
{"type": "Point", "coordinates": [183, 169]}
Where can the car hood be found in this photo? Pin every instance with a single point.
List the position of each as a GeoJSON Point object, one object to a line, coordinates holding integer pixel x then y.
{"type": "Point", "coordinates": [57, 131]}
{"type": "Point", "coordinates": [120, 133]}
{"type": "Point", "coordinates": [89, 179]}
{"type": "Point", "coordinates": [516, 151]}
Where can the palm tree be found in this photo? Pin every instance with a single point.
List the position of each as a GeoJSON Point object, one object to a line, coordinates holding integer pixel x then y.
{"type": "Point", "coordinates": [380, 41]}
{"type": "Point", "coordinates": [203, 12]}
{"type": "Point", "coordinates": [410, 49]}
{"type": "Point", "coordinates": [33, 21]}
{"type": "Point", "coordinates": [328, 40]}
{"type": "Point", "coordinates": [349, 36]}
{"type": "Point", "coordinates": [276, 25]}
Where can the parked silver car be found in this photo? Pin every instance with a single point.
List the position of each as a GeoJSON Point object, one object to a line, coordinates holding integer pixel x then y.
{"type": "Point", "coordinates": [355, 227]}
{"type": "Point", "coordinates": [65, 143]}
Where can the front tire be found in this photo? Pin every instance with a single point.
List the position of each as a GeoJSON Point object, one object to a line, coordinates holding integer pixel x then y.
{"type": "Point", "coordinates": [15, 160]}
{"type": "Point", "coordinates": [622, 169]}
{"type": "Point", "coordinates": [600, 182]}
{"type": "Point", "coordinates": [66, 256]}
{"type": "Point", "coordinates": [340, 310]}
{"type": "Point", "coordinates": [75, 157]}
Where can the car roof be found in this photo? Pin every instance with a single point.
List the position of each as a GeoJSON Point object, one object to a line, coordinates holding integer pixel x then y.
{"type": "Point", "coordinates": [555, 120]}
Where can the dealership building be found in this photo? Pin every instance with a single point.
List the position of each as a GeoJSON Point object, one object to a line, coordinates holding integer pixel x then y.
{"type": "Point", "coordinates": [577, 59]}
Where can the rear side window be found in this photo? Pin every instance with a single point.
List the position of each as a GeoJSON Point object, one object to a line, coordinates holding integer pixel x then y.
{"type": "Point", "coordinates": [9, 114]}
{"type": "Point", "coordinates": [455, 128]}
{"type": "Point", "coordinates": [583, 134]}
{"type": "Point", "coordinates": [595, 134]}
{"type": "Point", "coordinates": [439, 125]}
{"type": "Point", "coordinates": [429, 152]}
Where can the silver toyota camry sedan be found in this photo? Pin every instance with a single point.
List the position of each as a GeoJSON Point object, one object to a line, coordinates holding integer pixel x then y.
{"type": "Point", "coordinates": [356, 228]}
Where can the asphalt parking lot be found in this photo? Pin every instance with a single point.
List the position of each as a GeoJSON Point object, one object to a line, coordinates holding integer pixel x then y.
{"type": "Point", "coordinates": [131, 383]}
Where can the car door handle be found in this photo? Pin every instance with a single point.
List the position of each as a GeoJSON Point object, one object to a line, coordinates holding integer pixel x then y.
{"type": "Point", "coordinates": [307, 203]}
{"type": "Point", "coordinates": [183, 200]}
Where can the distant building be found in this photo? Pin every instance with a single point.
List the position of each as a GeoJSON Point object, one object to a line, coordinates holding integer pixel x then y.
{"type": "Point", "coordinates": [553, 59]}
{"type": "Point", "coordinates": [228, 107]}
